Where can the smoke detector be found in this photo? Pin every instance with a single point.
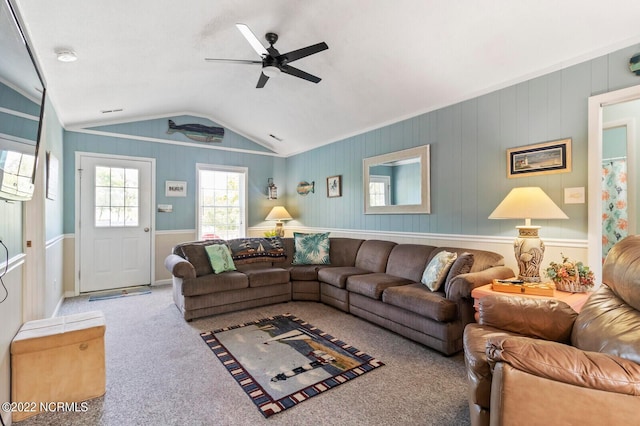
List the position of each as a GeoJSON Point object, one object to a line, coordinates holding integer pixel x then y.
{"type": "Point", "coordinates": [66, 55]}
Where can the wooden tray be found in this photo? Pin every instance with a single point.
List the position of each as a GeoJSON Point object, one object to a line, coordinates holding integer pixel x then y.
{"type": "Point", "coordinates": [535, 289]}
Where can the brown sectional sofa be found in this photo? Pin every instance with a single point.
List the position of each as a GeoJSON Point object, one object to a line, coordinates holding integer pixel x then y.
{"type": "Point", "coordinates": [373, 279]}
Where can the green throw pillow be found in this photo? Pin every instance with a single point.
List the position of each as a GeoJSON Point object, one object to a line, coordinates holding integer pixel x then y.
{"type": "Point", "coordinates": [311, 249]}
{"type": "Point", "coordinates": [436, 271]}
{"type": "Point", "coordinates": [220, 258]}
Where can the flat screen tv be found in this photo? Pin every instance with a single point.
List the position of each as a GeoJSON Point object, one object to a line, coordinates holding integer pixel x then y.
{"type": "Point", "coordinates": [22, 96]}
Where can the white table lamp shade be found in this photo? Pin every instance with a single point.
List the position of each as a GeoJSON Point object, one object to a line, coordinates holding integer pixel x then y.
{"type": "Point", "coordinates": [528, 203]}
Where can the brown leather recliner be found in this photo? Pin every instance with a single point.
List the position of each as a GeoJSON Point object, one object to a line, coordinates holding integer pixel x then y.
{"type": "Point", "coordinates": [536, 361]}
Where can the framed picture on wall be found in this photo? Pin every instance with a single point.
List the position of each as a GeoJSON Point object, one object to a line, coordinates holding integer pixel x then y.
{"type": "Point", "coordinates": [334, 186]}
{"type": "Point", "coordinates": [539, 159]}
{"type": "Point", "coordinates": [52, 176]}
{"type": "Point", "coordinates": [174, 188]}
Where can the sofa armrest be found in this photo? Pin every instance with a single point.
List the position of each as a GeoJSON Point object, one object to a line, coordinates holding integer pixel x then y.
{"type": "Point", "coordinates": [546, 319]}
{"type": "Point", "coordinates": [179, 267]}
{"type": "Point", "coordinates": [566, 364]}
{"type": "Point", "coordinates": [461, 285]}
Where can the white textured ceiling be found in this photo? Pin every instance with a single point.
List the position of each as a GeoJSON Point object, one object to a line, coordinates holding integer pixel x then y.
{"type": "Point", "coordinates": [387, 60]}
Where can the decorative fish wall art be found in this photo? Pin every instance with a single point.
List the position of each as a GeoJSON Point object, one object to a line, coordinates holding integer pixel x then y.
{"type": "Point", "coordinates": [305, 187]}
{"type": "Point", "coordinates": [197, 132]}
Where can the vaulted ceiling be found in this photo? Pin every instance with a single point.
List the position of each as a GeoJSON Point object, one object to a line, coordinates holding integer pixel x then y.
{"type": "Point", "coordinates": [387, 60]}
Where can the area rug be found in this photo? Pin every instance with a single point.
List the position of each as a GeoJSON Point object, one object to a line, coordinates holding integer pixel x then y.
{"type": "Point", "coordinates": [123, 292]}
{"type": "Point", "coordinates": [282, 361]}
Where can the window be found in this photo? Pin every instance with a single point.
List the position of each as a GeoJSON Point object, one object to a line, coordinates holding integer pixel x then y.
{"type": "Point", "coordinates": [379, 190]}
{"type": "Point", "coordinates": [221, 202]}
{"type": "Point", "coordinates": [16, 179]}
{"type": "Point", "coordinates": [117, 197]}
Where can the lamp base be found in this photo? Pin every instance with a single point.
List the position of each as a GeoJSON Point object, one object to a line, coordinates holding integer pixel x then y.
{"type": "Point", "coordinates": [529, 252]}
{"type": "Point", "coordinates": [279, 229]}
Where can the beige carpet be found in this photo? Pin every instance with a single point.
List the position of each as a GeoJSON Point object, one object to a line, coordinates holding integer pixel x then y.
{"type": "Point", "coordinates": [159, 372]}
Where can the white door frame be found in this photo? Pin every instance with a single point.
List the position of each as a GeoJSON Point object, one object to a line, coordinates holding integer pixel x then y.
{"type": "Point", "coordinates": [78, 201]}
{"type": "Point", "coordinates": [34, 231]}
{"type": "Point", "coordinates": [596, 106]}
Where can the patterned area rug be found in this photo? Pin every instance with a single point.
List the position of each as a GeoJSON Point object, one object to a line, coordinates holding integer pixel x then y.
{"type": "Point", "coordinates": [283, 360]}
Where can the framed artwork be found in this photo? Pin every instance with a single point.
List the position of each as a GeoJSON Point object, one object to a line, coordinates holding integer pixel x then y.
{"type": "Point", "coordinates": [539, 159]}
{"type": "Point", "coordinates": [52, 176]}
{"type": "Point", "coordinates": [174, 188]}
{"type": "Point", "coordinates": [334, 186]}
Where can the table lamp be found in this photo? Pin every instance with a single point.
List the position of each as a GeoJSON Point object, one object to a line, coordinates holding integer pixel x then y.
{"type": "Point", "coordinates": [528, 203]}
{"type": "Point", "coordinates": [279, 213]}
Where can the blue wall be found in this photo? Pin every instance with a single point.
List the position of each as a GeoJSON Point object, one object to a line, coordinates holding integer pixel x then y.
{"type": "Point", "coordinates": [468, 156]}
{"type": "Point", "coordinates": [175, 162]}
{"type": "Point", "coordinates": [52, 140]}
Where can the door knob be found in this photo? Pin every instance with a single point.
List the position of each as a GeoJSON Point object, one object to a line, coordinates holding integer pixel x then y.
{"type": "Point", "coordinates": [146, 229]}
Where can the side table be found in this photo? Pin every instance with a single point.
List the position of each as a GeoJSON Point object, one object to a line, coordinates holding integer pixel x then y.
{"type": "Point", "coordinates": [575, 300]}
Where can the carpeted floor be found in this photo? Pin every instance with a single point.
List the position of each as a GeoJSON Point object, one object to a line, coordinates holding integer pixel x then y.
{"type": "Point", "coordinates": [159, 372]}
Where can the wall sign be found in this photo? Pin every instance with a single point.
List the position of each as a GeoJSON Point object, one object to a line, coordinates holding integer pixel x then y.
{"type": "Point", "coordinates": [175, 188]}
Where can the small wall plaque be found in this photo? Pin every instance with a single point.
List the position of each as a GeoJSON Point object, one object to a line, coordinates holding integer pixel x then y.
{"type": "Point", "coordinates": [174, 188]}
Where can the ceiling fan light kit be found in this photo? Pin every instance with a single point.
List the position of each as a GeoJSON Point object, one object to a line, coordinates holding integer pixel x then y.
{"type": "Point", "coordinates": [273, 62]}
{"type": "Point", "coordinates": [271, 71]}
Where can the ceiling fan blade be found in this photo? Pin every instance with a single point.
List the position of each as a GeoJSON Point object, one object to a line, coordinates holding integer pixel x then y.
{"type": "Point", "coordinates": [299, 73]}
{"type": "Point", "coordinates": [262, 81]}
{"type": "Point", "coordinates": [233, 61]}
{"type": "Point", "coordinates": [305, 51]}
{"type": "Point", "coordinates": [252, 39]}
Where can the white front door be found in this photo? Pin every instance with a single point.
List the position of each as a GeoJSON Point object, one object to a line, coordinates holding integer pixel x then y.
{"type": "Point", "coordinates": [115, 221]}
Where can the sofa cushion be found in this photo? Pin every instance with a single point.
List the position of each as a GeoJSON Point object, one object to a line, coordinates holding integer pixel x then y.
{"type": "Point", "coordinates": [607, 324]}
{"type": "Point", "coordinates": [337, 276]}
{"type": "Point", "coordinates": [621, 270]}
{"type": "Point", "coordinates": [311, 249]}
{"type": "Point", "coordinates": [220, 258]}
{"type": "Point", "coordinates": [419, 299]}
{"type": "Point", "coordinates": [373, 255]}
{"type": "Point", "coordinates": [436, 271]}
{"type": "Point", "coordinates": [267, 276]}
{"type": "Point", "coordinates": [343, 251]}
{"type": "Point", "coordinates": [303, 273]}
{"type": "Point", "coordinates": [250, 250]}
{"type": "Point", "coordinates": [213, 283]}
{"type": "Point", "coordinates": [542, 318]}
{"type": "Point", "coordinates": [372, 285]}
{"type": "Point", "coordinates": [197, 256]}
{"type": "Point", "coordinates": [408, 261]}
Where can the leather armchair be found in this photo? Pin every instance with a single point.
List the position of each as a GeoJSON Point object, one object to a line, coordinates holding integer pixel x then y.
{"type": "Point", "coordinates": [536, 361]}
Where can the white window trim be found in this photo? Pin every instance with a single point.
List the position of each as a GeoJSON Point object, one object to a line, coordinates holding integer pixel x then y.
{"type": "Point", "coordinates": [245, 201]}
{"type": "Point", "coordinates": [387, 186]}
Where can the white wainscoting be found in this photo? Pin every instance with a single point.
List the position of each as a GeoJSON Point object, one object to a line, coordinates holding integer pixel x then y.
{"type": "Point", "coordinates": [555, 248]}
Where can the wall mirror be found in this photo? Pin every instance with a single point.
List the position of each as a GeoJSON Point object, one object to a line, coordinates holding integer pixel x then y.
{"type": "Point", "coordinates": [21, 108]}
{"type": "Point", "coordinates": [398, 182]}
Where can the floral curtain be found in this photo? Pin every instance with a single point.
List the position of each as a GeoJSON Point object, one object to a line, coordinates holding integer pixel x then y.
{"type": "Point", "coordinates": [614, 203]}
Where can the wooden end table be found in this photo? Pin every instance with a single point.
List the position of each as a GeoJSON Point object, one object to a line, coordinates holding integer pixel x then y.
{"type": "Point", "coordinates": [575, 300]}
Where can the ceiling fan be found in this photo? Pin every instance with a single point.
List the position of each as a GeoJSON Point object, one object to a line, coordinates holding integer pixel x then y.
{"type": "Point", "coordinates": [273, 62]}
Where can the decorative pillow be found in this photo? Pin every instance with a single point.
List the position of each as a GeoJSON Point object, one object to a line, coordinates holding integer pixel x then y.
{"type": "Point", "coordinates": [250, 250]}
{"type": "Point", "coordinates": [311, 249]}
{"type": "Point", "coordinates": [220, 258]}
{"type": "Point", "coordinates": [436, 271]}
{"type": "Point", "coordinates": [461, 265]}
